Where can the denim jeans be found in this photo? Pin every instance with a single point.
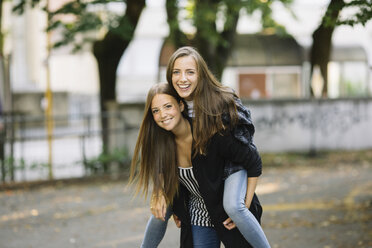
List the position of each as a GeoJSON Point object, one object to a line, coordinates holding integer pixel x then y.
{"type": "Point", "coordinates": [234, 205]}
{"type": "Point", "coordinates": [155, 230]}
{"type": "Point", "coordinates": [204, 237]}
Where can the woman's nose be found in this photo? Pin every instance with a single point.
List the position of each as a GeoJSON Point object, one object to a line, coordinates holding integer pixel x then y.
{"type": "Point", "coordinates": [163, 113]}
{"type": "Point", "coordinates": [183, 76]}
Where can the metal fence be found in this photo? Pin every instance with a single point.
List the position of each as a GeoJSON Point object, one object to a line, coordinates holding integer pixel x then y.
{"type": "Point", "coordinates": [74, 147]}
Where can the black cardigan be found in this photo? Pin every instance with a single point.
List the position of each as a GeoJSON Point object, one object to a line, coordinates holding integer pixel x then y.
{"type": "Point", "coordinates": [209, 172]}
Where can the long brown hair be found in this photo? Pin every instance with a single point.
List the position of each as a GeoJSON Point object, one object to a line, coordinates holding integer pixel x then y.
{"type": "Point", "coordinates": [211, 99]}
{"type": "Point", "coordinates": [155, 155]}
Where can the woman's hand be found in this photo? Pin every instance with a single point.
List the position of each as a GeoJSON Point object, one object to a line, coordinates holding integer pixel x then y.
{"type": "Point", "coordinates": [177, 221]}
{"type": "Point", "coordinates": [158, 206]}
{"type": "Point", "coordinates": [229, 224]}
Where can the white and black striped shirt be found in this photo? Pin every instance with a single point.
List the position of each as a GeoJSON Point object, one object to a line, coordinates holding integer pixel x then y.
{"type": "Point", "coordinates": [198, 211]}
{"type": "Point", "coordinates": [190, 105]}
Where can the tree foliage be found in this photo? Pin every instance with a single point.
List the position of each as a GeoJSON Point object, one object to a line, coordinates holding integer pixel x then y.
{"type": "Point", "coordinates": [210, 25]}
{"type": "Point", "coordinates": [83, 22]}
{"type": "Point", "coordinates": [361, 13]}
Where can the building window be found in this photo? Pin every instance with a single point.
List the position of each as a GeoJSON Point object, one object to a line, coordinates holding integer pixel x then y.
{"type": "Point", "coordinates": [285, 85]}
{"type": "Point", "coordinates": [270, 84]}
{"type": "Point", "coordinates": [252, 86]}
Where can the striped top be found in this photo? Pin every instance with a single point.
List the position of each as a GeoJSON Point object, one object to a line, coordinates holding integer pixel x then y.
{"type": "Point", "coordinates": [190, 105]}
{"type": "Point", "coordinates": [198, 211]}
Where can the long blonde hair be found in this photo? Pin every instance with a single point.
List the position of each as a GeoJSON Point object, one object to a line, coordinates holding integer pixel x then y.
{"type": "Point", "coordinates": [155, 155]}
{"type": "Point", "coordinates": [211, 100]}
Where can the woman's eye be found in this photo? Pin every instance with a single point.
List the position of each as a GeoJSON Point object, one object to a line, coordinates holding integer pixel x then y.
{"type": "Point", "coordinates": [154, 111]}
{"type": "Point", "coordinates": [168, 106]}
{"type": "Point", "coordinates": [191, 72]}
{"type": "Point", "coordinates": [176, 72]}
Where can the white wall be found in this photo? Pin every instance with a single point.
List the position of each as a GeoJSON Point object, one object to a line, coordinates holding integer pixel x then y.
{"type": "Point", "coordinates": [294, 125]}
{"type": "Point", "coordinates": [301, 125]}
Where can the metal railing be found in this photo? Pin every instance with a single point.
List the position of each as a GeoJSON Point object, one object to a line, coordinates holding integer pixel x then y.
{"type": "Point", "coordinates": [77, 147]}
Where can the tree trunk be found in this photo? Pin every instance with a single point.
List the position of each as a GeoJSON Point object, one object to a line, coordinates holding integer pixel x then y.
{"type": "Point", "coordinates": [108, 53]}
{"type": "Point", "coordinates": [214, 46]}
{"type": "Point", "coordinates": [217, 57]}
{"type": "Point", "coordinates": [322, 43]}
{"type": "Point", "coordinates": [176, 36]}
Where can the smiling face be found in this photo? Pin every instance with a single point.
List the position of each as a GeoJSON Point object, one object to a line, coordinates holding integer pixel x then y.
{"type": "Point", "coordinates": [167, 112]}
{"type": "Point", "coordinates": [185, 76]}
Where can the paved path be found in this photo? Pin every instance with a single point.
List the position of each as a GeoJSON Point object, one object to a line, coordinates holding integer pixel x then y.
{"type": "Point", "coordinates": [327, 207]}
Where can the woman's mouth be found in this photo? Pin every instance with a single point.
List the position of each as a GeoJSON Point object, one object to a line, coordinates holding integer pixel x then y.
{"type": "Point", "coordinates": [184, 86]}
{"type": "Point", "coordinates": [167, 121]}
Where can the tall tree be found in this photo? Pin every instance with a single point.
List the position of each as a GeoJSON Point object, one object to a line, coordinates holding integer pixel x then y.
{"type": "Point", "coordinates": [214, 24]}
{"type": "Point", "coordinates": [108, 53]}
{"type": "Point", "coordinates": [86, 21]}
{"type": "Point", "coordinates": [87, 17]}
{"type": "Point", "coordinates": [95, 17]}
{"type": "Point", "coordinates": [322, 36]}
{"type": "Point", "coordinates": [109, 50]}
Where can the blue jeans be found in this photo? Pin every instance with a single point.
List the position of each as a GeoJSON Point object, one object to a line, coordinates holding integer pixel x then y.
{"type": "Point", "coordinates": [155, 230]}
{"type": "Point", "coordinates": [234, 205]}
{"type": "Point", "coordinates": [204, 237]}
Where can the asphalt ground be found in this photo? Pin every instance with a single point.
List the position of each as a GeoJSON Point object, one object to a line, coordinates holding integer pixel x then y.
{"type": "Point", "coordinates": [324, 202]}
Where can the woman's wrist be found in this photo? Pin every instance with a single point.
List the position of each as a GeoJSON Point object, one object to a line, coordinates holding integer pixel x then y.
{"type": "Point", "coordinates": [156, 197]}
